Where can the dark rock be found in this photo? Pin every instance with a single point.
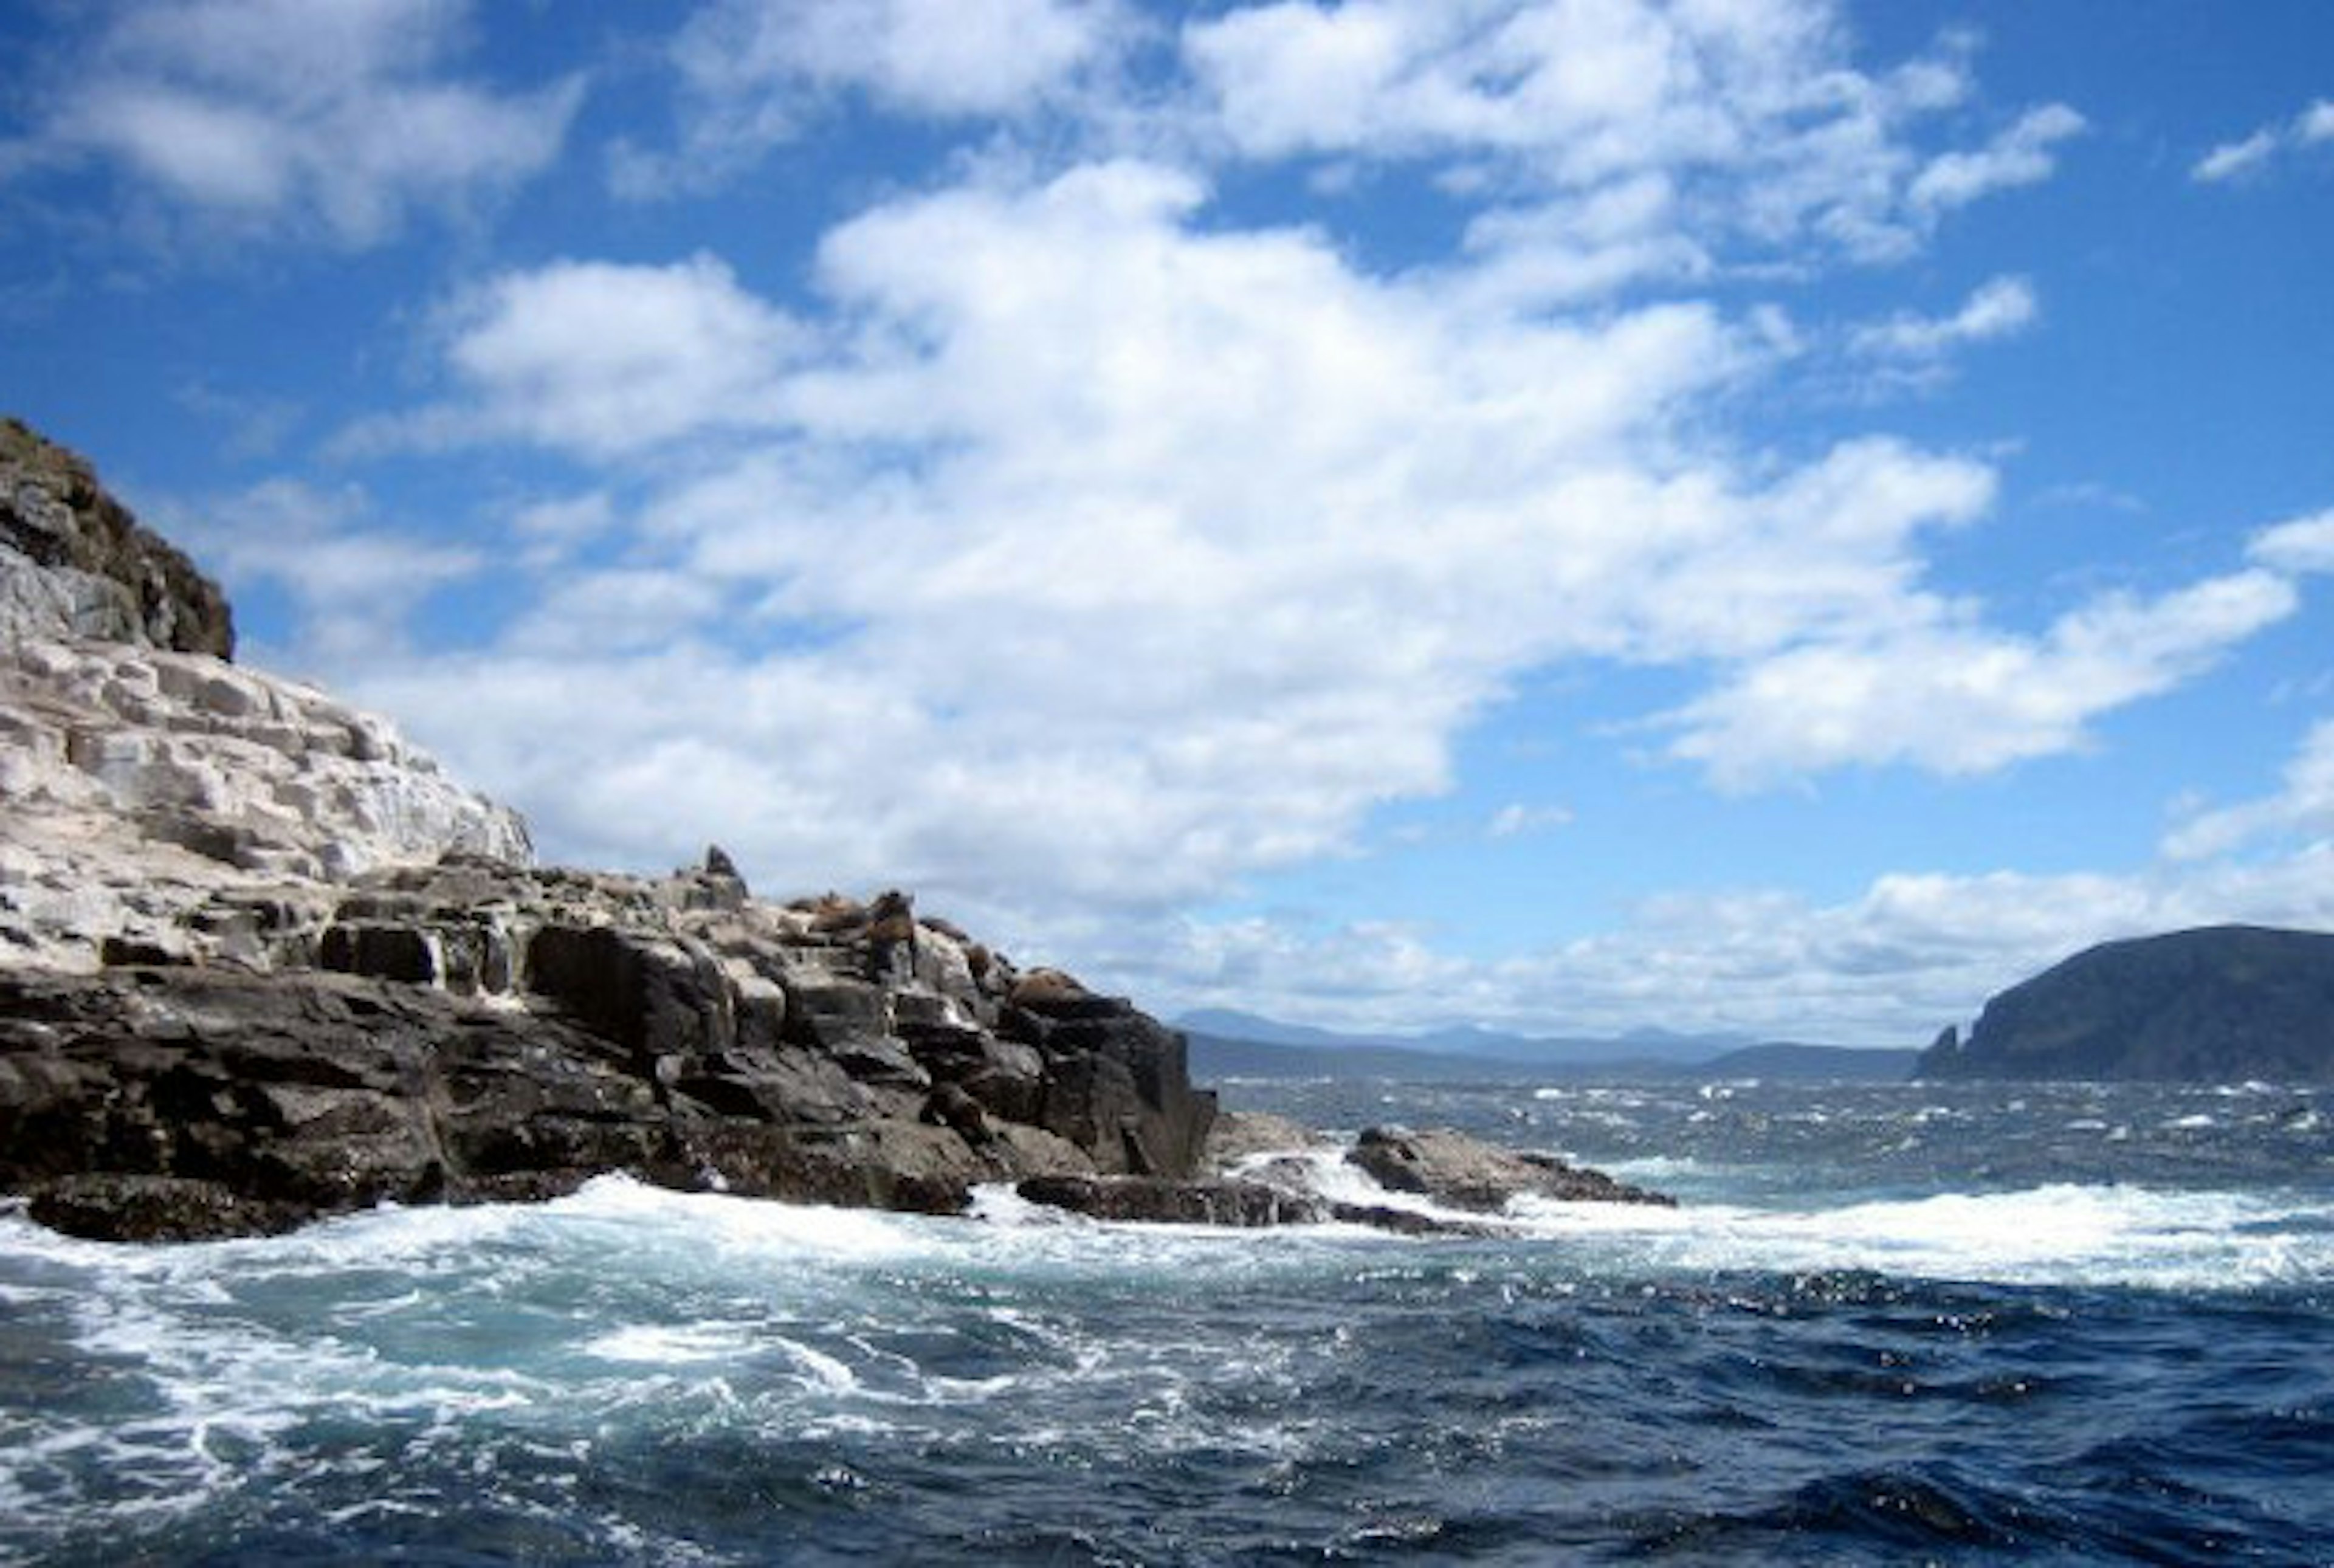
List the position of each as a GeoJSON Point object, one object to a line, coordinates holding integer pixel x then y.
{"type": "Point", "coordinates": [1224, 1201]}
{"type": "Point", "coordinates": [1464, 1172]}
{"type": "Point", "coordinates": [1155, 1200]}
{"type": "Point", "coordinates": [2221, 1005]}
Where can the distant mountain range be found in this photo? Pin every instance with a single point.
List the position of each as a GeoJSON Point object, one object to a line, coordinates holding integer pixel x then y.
{"type": "Point", "coordinates": [1233, 1045]}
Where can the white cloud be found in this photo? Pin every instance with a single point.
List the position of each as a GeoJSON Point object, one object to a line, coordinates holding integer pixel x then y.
{"type": "Point", "coordinates": [1112, 557]}
{"type": "Point", "coordinates": [2022, 155]}
{"type": "Point", "coordinates": [2252, 155]}
{"type": "Point", "coordinates": [1943, 693]}
{"type": "Point", "coordinates": [354, 580]}
{"type": "Point", "coordinates": [1519, 819]}
{"type": "Point", "coordinates": [1072, 552]}
{"type": "Point", "coordinates": [1891, 965]}
{"type": "Point", "coordinates": [2000, 308]}
{"type": "Point", "coordinates": [2303, 806]}
{"type": "Point", "coordinates": [2304, 545]}
{"type": "Point", "coordinates": [1705, 123]}
{"type": "Point", "coordinates": [603, 357]}
{"type": "Point", "coordinates": [754, 70]}
{"type": "Point", "coordinates": [2233, 158]}
{"type": "Point", "coordinates": [266, 113]}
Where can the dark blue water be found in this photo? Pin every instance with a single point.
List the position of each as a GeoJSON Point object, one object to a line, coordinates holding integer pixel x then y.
{"type": "Point", "coordinates": [1890, 1325]}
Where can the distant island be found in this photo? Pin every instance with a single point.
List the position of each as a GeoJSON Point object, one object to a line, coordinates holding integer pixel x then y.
{"type": "Point", "coordinates": [2218, 1004]}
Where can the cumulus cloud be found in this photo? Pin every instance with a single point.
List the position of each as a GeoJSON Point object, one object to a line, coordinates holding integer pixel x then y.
{"type": "Point", "coordinates": [353, 579]}
{"type": "Point", "coordinates": [2305, 545]}
{"type": "Point", "coordinates": [1110, 556]}
{"type": "Point", "coordinates": [1073, 550]}
{"type": "Point", "coordinates": [1891, 965]}
{"type": "Point", "coordinates": [1621, 127]}
{"type": "Point", "coordinates": [1519, 819]}
{"type": "Point", "coordinates": [754, 70]}
{"type": "Point", "coordinates": [2252, 155]}
{"type": "Point", "coordinates": [601, 358]}
{"type": "Point", "coordinates": [267, 114]}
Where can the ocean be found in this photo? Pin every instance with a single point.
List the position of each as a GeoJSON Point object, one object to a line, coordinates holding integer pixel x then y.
{"type": "Point", "coordinates": [1966, 1324]}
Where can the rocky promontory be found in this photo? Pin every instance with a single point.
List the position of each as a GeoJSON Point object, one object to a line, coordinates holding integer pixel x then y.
{"type": "Point", "coordinates": [261, 961]}
{"type": "Point", "coordinates": [2218, 1004]}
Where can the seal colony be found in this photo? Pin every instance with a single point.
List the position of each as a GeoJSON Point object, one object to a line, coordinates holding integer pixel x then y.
{"type": "Point", "coordinates": [262, 961]}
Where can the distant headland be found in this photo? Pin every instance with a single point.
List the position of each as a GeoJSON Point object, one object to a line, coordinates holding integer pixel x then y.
{"type": "Point", "coordinates": [2218, 1004]}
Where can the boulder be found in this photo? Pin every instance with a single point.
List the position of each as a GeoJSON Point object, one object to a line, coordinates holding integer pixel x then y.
{"type": "Point", "coordinates": [1463, 1172]}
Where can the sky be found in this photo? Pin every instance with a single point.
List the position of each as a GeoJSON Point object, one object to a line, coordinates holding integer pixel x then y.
{"type": "Point", "coordinates": [1773, 516]}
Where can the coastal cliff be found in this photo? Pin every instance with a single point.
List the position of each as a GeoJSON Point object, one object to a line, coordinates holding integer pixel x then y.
{"type": "Point", "coordinates": [2220, 1005]}
{"type": "Point", "coordinates": [261, 961]}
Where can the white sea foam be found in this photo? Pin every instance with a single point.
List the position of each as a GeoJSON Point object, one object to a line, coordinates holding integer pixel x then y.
{"type": "Point", "coordinates": [663, 1344]}
{"type": "Point", "coordinates": [2055, 1235]}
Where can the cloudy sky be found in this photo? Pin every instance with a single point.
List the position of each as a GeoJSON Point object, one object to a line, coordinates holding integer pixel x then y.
{"type": "Point", "coordinates": [1567, 514]}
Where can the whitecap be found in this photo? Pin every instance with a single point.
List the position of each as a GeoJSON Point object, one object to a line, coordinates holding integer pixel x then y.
{"type": "Point", "coordinates": [667, 1345]}
{"type": "Point", "coordinates": [2053, 1235]}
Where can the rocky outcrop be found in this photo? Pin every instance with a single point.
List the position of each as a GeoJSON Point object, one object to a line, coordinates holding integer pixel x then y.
{"type": "Point", "coordinates": [2222, 1004]}
{"type": "Point", "coordinates": [73, 562]}
{"type": "Point", "coordinates": [1464, 1172]}
{"type": "Point", "coordinates": [471, 1030]}
{"type": "Point", "coordinates": [141, 784]}
{"type": "Point", "coordinates": [1265, 1170]}
{"type": "Point", "coordinates": [261, 961]}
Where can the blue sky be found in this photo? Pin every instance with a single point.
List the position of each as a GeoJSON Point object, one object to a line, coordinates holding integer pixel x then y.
{"type": "Point", "coordinates": [1559, 515]}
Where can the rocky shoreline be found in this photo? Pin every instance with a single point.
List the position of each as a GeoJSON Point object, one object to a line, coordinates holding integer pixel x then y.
{"type": "Point", "coordinates": [261, 962]}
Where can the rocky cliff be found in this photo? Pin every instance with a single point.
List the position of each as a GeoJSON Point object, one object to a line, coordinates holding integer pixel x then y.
{"type": "Point", "coordinates": [260, 959]}
{"type": "Point", "coordinates": [2223, 1004]}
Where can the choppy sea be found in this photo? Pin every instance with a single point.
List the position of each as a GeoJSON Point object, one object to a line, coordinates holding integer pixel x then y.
{"type": "Point", "coordinates": [1898, 1324]}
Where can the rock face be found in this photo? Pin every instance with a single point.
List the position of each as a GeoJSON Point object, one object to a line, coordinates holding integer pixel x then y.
{"type": "Point", "coordinates": [260, 961]}
{"type": "Point", "coordinates": [471, 1030]}
{"type": "Point", "coordinates": [2216, 1005]}
{"type": "Point", "coordinates": [143, 783]}
{"type": "Point", "coordinates": [73, 562]}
